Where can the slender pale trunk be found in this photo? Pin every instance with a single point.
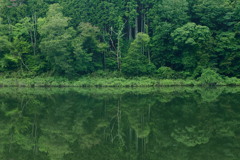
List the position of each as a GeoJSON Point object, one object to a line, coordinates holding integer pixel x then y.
{"type": "Point", "coordinates": [146, 24]}
{"type": "Point", "coordinates": [144, 20]}
{"type": "Point", "coordinates": [104, 53]}
{"type": "Point", "coordinates": [32, 39]}
{"type": "Point", "coordinates": [104, 61]}
{"type": "Point", "coordinates": [136, 26]}
{"type": "Point", "coordinates": [129, 32]}
{"type": "Point", "coordinates": [118, 54]}
{"type": "Point", "coordinates": [34, 33]}
{"type": "Point", "coordinates": [142, 23]}
{"type": "Point", "coordinates": [149, 57]}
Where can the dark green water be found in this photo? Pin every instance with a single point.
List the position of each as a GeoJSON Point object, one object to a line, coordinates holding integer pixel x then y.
{"type": "Point", "coordinates": [120, 124]}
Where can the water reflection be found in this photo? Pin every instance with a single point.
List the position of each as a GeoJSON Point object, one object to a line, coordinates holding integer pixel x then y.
{"type": "Point", "coordinates": [120, 124]}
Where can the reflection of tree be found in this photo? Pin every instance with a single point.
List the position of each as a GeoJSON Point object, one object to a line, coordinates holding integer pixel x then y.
{"type": "Point", "coordinates": [210, 94]}
{"type": "Point", "coordinates": [18, 131]}
{"type": "Point", "coordinates": [87, 138]}
{"type": "Point", "coordinates": [162, 124]}
{"type": "Point", "coordinates": [3, 134]}
{"type": "Point", "coordinates": [191, 136]}
{"type": "Point", "coordinates": [53, 144]}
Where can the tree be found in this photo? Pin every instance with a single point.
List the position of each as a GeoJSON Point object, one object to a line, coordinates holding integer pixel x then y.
{"type": "Point", "coordinates": [89, 42]}
{"type": "Point", "coordinates": [136, 62]}
{"type": "Point", "coordinates": [166, 16]}
{"type": "Point", "coordinates": [131, 14]}
{"type": "Point", "coordinates": [193, 42]}
{"type": "Point", "coordinates": [227, 49]}
{"type": "Point", "coordinates": [6, 59]}
{"type": "Point", "coordinates": [217, 15]}
{"type": "Point", "coordinates": [72, 38]}
{"type": "Point", "coordinates": [56, 40]}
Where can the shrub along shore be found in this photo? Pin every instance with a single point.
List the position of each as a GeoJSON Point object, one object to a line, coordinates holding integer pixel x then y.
{"type": "Point", "coordinates": [110, 82]}
{"type": "Point", "coordinates": [208, 77]}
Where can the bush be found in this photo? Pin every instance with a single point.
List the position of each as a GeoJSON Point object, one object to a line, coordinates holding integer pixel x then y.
{"type": "Point", "coordinates": [210, 77]}
{"type": "Point", "coordinates": [166, 73]}
{"type": "Point", "coordinates": [232, 81]}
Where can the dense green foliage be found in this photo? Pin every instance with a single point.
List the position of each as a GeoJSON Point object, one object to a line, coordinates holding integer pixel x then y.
{"type": "Point", "coordinates": [208, 78]}
{"type": "Point", "coordinates": [71, 38]}
{"type": "Point", "coordinates": [171, 123]}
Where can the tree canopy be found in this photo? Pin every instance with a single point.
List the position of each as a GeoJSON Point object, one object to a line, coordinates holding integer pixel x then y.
{"type": "Point", "coordinates": [73, 38]}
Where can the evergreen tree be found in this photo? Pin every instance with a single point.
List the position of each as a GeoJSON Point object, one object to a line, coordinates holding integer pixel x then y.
{"type": "Point", "coordinates": [136, 62]}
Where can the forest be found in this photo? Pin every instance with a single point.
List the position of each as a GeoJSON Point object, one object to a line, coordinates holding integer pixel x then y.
{"type": "Point", "coordinates": [168, 39]}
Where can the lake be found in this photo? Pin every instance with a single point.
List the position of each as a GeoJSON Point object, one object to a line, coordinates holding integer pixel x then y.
{"type": "Point", "coordinates": [169, 123]}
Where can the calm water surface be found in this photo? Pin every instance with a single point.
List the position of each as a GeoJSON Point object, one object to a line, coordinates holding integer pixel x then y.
{"type": "Point", "coordinates": [120, 124]}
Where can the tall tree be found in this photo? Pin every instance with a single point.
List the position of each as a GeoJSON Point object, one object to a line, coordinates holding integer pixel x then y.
{"type": "Point", "coordinates": [136, 62]}
{"type": "Point", "coordinates": [166, 16]}
{"type": "Point", "coordinates": [56, 40]}
{"type": "Point", "coordinates": [193, 43]}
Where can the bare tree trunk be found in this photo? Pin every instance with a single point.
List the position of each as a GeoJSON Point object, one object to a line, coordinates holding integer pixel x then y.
{"type": "Point", "coordinates": [32, 39]}
{"type": "Point", "coordinates": [136, 26]}
{"type": "Point", "coordinates": [34, 33]}
{"type": "Point", "coordinates": [144, 20]}
{"type": "Point", "coordinates": [23, 64]}
{"type": "Point", "coordinates": [118, 54]}
{"type": "Point", "coordinates": [104, 61]}
{"type": "Point", "coordinates": [146, 24]}
{"type": "Point", "coordinates": [149, 57]}
{"type": "Point", "coordinates": [129, 31]}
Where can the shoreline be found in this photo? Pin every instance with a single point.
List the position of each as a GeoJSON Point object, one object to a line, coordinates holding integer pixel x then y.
{"type": "Point", "coordinates": [107, 82]}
